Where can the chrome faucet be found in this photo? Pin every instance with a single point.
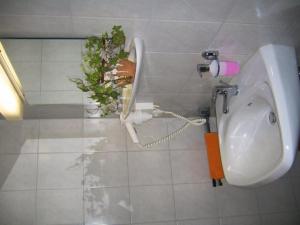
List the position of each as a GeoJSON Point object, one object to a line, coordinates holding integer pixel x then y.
{"type": "Point", "coordinates": [227, 91]}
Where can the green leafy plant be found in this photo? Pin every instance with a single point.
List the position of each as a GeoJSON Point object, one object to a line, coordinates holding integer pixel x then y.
{"type": "Point", "coordinates": [99, 61]}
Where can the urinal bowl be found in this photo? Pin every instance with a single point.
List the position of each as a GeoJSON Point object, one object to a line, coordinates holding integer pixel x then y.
{"type": "Point", "coordinates": [260, 133]}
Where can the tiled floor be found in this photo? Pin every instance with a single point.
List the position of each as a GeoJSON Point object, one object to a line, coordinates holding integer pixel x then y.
{"type": "Point", "coordinates": [74, 171]}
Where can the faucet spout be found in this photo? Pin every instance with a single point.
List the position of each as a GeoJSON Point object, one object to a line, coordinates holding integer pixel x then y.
{"type": "Point", "coordinates": [225, 103]}
{"type": "Point", "coordinates": [226, 91]}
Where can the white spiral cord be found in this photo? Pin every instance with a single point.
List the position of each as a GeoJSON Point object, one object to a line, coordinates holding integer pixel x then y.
{"type": "Point", "coordinates": [195, 122]}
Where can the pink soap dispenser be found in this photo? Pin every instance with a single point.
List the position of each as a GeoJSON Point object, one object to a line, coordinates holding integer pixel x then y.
{"type": "Point", "coordinates": [224, 68]}
{"type": "Point", "coordinates": [218, 68]}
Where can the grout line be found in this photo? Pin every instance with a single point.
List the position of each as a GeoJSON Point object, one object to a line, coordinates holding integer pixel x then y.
{"type": "Point", "coordinates": [171, 170]}
{"type": "Point", "coordinates": [19, 190]}
{"type": "Point", "coordinates": [149, 20]}
{"type": "Point", "coordinates": [40, 76]}
{"type": "Point", "coordinates": [61, 153]}
{"type": "Point", "coordinates": [221, 26]}
{"type": "Point", "coordinates": [83, 169]}
{"type": "Point", "coordinates": [278, 212]}
{"type": "Point", "coordinates": [41, 70]}
{"type": "Point", "coordinates": [59, 189]}
{"type": "Point", "coordinates": [148, 185]}
{"type": "Point", "coordinates": [140, 19]}
{"type": "Point", "coordinates": [128, 174]}
{"type": "Point", "coordinates": [258, 206]}
{"type": "Point", "coordinates": [23, 153]}
{"type": "Point", "coordinates": [83, 202]}
{"type": "Point", "coordinates": [291, 183]}
{"type": "Point", "coordinates": [37, 173]}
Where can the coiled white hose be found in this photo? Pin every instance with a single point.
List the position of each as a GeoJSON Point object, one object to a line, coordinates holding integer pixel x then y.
{"type": "Point", "coordinates": [195, 122]}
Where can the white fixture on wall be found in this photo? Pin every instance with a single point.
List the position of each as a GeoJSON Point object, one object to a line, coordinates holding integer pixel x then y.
{"type": "Point", "coordinates": [127, 116]}
{"type": "Point", "coordinates": [259, 135]}
{"type": "Point", "coordinates": [138, 113]}
{"type": "Point", "coordinates": [11, 93]}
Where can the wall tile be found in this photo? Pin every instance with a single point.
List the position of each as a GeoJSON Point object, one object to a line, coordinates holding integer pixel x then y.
{"type": "Point", "coordinates": [19, 136]}
{"type": "Point", "coordinates": [193, 101]}
{"type": "Point", "coordinates": [87, 26]}
{"type": "Point", "coordinates": [59, 207]}
{"type": "Point", "coordinates": [189, 167]}
{"type": "Point", "coordinates": [161, 223]}
{"type": "Point", "coordinates": [101, 135]}
{"type": "Point", "coordinates": [245, 38]}
{"type": "Point", "coordinates": [64, 170]}
{"type": "Point", "coordinates": [170, 65]}
{"type": "Point", "coordinates": [292, 218]}
{"type": "Point", "coordinates": [171, 10]}
{"type": "Point", "coordinates": [61, 50]}
{"type": "Point", "coordinates": [36, 7]}
{"type": "Point", "coordinates": [289, 11]}
{"type": "Point", "coordinates": [17, 207]}
{"type": "Point", "coordinates": [241, 220]}
{"type": "Point", "coordinates": [179, 36]}
{"type": "Point", "coordinates": [161, 84]}
{"type": "Point", "coordinates": [193, 10]}
{"type": "Point", "coordinates": [210, 10]}
{"type": "Point", "coordinates": [60, 111]}
{"type": "Point", "coordinates": [18, 172]}
{"type": "Point", "coordinates": [107, 206]}
{"type": "Point", "coordinates": [56, 76]}
{"type": "Point", "coordinates": [61, 97]}
{"type": "Point", "coordinates": [105, 169]}
{"type": "Point", "coordinates": [29, 75]}
{"type": "Point", "coordinates": [195, 84]}
{"type": "Point", "coordinates": [195, 201]}
{"type": "Point", "coordinates": [276, 197]}
{"type": "Point", "coordinates": [61, 128]}
{"type": "Point", "coordinates": [62, 145]}
{"type": "Point", "coordinates": [106, 8]}
{"type": "Point", "coordinates": [152, 204]}
{"type": "Point", "coordinates": [31, 112]}
{"type": "Point", "coordinates": [296, 189]}
{"type": "Point", "coordinates": [32, 97]}
{"type": "Point", "coordinates": [149, 168]}
{"type": "Point", "coordinates": [235, 201]}
{"type": "Point", "coordinates": [35, 26]}
{"type": "Point", "coordinates": [294, 34]}
{"type": "Point", "coordinates": [295, 169]}
{"type": "Point", "coordinates": [258, 12]}
{"type": "Point", "coordinates": [23, 50]}
{"type": "Point", "coordinates": [210, 221]}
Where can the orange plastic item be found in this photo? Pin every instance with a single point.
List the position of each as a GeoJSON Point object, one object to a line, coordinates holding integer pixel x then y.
{"type": "Point", "coordinates": [214, 156]}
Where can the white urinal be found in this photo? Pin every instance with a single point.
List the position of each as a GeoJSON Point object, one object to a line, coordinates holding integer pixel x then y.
{"type": "Point", "coordinates": [259, 136]}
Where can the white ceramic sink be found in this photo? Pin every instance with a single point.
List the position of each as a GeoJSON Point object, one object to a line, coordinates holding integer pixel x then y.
{"type": "Point", "coordinates": [260, 133]}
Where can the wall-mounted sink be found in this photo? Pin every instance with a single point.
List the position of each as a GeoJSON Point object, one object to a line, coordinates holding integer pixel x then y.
{"type": "Point", "coordinates": [260, 133]}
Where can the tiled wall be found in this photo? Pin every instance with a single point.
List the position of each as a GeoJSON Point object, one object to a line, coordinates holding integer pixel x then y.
{"type": "Point", "coordinates": [87, 171]}
{"type": "Point", "coordinates": [44, 68]}
{"type": "Point", "coordinates": [174, 32]}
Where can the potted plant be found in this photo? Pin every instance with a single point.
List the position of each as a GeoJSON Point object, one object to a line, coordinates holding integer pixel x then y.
{"type": "Point", "coordinates": [106, 69]}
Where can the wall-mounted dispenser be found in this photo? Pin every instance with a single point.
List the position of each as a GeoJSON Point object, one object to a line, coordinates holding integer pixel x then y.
{"type": "Point", "coordinates": [216, 67]}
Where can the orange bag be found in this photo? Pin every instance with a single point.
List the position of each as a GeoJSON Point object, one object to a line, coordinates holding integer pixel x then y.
{"type": "Point", "coordinates": [214, 157]}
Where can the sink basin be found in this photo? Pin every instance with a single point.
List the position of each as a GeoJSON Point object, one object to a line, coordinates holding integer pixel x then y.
{"type": "Point", "coordinates": [259, 135]}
